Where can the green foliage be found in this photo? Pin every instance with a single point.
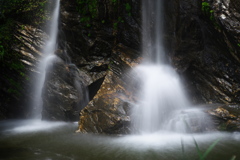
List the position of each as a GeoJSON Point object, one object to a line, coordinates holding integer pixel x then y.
{"type": "Point", "coordinates": [14, 87]}
{"type": "Point", "coordinates": [11, 11]}
{"type": "Point", "coordinates": [207, 11]}
{"type": "Point", "coordinates": [238, 44]}
{"type": "Point", "coordinates": [114, 1]}
{"type": "Point", "coordinates": [88, 10]}
{"type": "Point", "coordinates": [115, 24]}
{"type": "Point", "coordinates": [17, 10]}
{"type": "Point", "coordinates": [16, 65]}
{"type": "Point", "coordinates": [203, 155]}
{"type": "Point", "coordinates": [24, 10]}
{"type": "Point", "coordinates": [128, 8]}
{"type": "Point", "coordinates": [6, 38]}
{"type": "Point", "coordinates": [205, 6]}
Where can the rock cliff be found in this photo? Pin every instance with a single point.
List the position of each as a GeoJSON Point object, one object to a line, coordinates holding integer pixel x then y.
{"type": "Point", "coordinates": [201, 39]}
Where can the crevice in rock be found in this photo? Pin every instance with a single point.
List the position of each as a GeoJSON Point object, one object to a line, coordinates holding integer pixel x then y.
{"type": "Point", "coordinates": [99, 68]}
{"type": "Point", "coordinates": [94, 87]}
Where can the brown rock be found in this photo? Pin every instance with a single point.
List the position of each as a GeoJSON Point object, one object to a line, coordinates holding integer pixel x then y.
{"type": "Point", "coordinates": [108, 112]}
{"type": "Point", "coordinates": [226, 117]}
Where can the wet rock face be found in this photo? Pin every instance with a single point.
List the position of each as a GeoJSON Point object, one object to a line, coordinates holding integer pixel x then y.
{"type": "Point", "coordinates": [109, 111]}
{"type": "Point", "coordinates": [228, 15]}
{"type": "Point", "coordinates": [204, 50]}
{"type": "Point", "coordinates": [226, 117]}
{"type": "Point", "coordinates": [92, 49]}
{"type": "Point", "coordinates": [64, 93]}
{"type": "Point", "coordinates": [18, 75]}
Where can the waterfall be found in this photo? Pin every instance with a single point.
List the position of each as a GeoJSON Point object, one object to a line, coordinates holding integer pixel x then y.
{"type": "Point", "coordinates": [162, 102]}
{"type": "Point", "coordinates": [48, 57]}
{"type": "Point", "coordinates": [152, 28]}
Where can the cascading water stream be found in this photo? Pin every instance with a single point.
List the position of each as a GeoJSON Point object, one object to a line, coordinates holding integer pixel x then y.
{"type": "Point", "coordinates": [163, 103]}
{"type": "Point", "coordinates": [48, 57]}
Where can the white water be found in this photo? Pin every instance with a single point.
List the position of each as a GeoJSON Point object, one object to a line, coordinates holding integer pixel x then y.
{"type": "Point", "coordinates": [152, 32]}
{"type": "Point", "coordinates": [29, 126]}
{"type": "Point", "coordinates": [23, 140]}
{"type": "Point", "coordinates": [161, 97]}
{"type": "Point", "coordinates": [163, 105]}
{"type": "Point", "coordinates": [47, 59]}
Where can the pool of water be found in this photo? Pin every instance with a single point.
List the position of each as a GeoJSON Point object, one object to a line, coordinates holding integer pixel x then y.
{"type": "Point", "coordinates": [41, 140]}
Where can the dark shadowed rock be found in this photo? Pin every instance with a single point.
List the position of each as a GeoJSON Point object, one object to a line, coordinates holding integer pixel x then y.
{"type": "Point", "coordinates": [203, 49]}
{"type": "Point", "coordinates": [64, 93]}
{"type": "Point", "coordinates": [18, 73]}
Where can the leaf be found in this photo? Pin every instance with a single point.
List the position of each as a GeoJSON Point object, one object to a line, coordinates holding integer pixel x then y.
{"type": "Point", "coordinates": [209, 149]}
{"type": "Point", "coordinates": [233, 158]}
{"type": "Point", "coordinates": [198, 149]}
{"type": "Point", "coordinates": [183, 149]}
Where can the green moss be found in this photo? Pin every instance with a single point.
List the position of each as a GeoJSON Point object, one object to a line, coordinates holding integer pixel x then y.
{"type": "Point", "coordinates": [205, 6]}
{"type": "Point", "coordinates": [207, 11]}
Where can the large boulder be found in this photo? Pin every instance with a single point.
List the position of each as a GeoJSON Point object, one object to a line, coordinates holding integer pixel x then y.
{"type": "Point", "coordinates": [109, 111]}
{"type": "Point", "coordinates": [64, 92]}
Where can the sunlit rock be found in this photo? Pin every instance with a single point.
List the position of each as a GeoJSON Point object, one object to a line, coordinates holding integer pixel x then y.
{"type": "Point", "coordinates": [226, 117]}
{"type": "Point", "coordinates": [109, 110]}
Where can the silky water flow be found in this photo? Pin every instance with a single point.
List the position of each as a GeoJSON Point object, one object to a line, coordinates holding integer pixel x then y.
{"type": "Point", "coordinates": [48, 59]}
{"type": "Point", "coordinates": [45, 61]}
{"type": "Point", "coordinates": [163, 105]}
